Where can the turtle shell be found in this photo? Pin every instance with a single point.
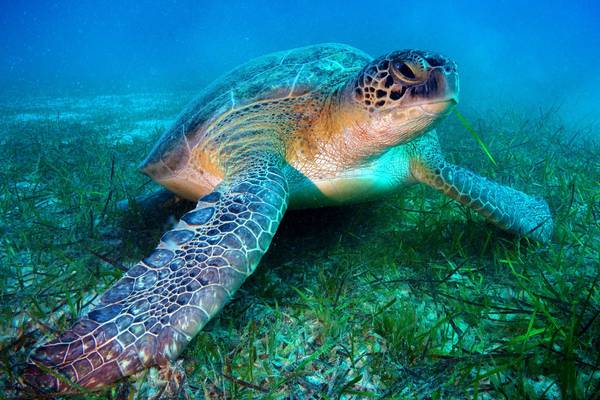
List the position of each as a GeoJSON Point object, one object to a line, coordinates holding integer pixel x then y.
{"type": "Point", "coordinates": [293, 72]}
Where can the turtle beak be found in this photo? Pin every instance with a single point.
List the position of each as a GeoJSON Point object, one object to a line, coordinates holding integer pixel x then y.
{"type": "Point", "coordinates": [443, 83]}
{"type": "Point", "coordinates": [440, 91]}
{"type": "Point", "coordinates": [443, 77]}
{"type": "Point", "coordinates": [452, 87]}
{"type": "Point", "coordinates": [438, 83]}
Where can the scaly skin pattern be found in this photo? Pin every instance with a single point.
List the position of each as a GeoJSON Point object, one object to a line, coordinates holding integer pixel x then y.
{"type": "Point", "coordinates": [149, 315]}
{"type": "Point", "coordinates": [507, 208]}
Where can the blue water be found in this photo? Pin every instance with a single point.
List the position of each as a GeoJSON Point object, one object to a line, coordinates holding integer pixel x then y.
{"type": "Point", "coordinates": [510, 53]}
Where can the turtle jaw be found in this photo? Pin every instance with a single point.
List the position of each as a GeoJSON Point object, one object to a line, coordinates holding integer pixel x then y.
{"type": "Point", "coordinates": [423, 105]}
{"type": "Point", "coordinates": [438, 109]}
{"type": "Point", "coordinates": [439, 93]}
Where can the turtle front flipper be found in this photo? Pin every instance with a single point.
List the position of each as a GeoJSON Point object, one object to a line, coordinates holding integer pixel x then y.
{"type": "Point", "coordinates": [507, 208]}
{"type": "Point", "coordinates": [149, 315]}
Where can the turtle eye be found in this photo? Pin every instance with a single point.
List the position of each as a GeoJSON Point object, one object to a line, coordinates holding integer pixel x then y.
{"type": "Point", "coordinates": [404, 69]}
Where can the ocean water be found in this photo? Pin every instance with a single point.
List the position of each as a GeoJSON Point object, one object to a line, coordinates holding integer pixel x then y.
{"type": "Point", "coordinates": [527, 53]}
{"type": "Point", "coordinates": [411, 297]}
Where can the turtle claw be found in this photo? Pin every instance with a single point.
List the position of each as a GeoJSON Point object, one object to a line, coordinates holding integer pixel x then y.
{"type": "Point", "coordinates": [164, 383]}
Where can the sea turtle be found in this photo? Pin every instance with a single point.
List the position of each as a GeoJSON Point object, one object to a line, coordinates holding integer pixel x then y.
{"type": "Point", "coordinates": [309, 127]}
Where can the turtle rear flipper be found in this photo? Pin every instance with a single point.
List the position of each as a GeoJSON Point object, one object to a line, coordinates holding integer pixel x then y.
{"type": "Point", "coordinates": [507, 208]}
{"type": "Point", "coordinates": [149, 315]}
{"type": "Point", "coordinates": [153, 202]}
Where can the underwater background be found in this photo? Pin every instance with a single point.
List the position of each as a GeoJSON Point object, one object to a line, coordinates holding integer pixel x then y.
{"type": "Point", "coordinates": [413, 297]}
{"type": "Point", "coordinates": [522, 53]}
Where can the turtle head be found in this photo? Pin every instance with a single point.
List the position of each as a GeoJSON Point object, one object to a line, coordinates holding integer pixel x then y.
{"type": "Point", "coordinates": [401, 95]}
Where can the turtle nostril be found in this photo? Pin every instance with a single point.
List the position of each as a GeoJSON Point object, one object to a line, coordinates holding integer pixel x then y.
{"type": "Point", "coordinates": [405, 70]}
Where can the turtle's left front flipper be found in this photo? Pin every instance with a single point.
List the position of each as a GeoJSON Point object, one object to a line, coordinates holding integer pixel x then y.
{"type": "Point", "coordinates": [509, 209]}
{"type": "Point", "coordinates": [148, 316]}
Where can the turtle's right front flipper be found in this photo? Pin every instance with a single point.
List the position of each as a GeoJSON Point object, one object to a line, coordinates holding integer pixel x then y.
{"type": "Point", "coordinates": [509, 209]}
{"type": "Point", "coordinates": [151, 313]}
